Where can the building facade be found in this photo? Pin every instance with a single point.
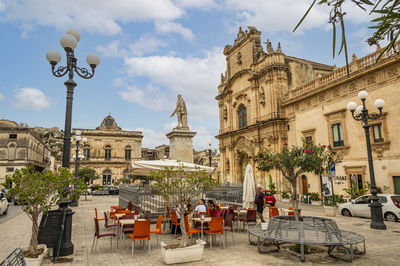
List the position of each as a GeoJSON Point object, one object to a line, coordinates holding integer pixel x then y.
{"type": "Point", "coordinates": [109, 150]}
{"type": "Point", "coordinates": [19, 147]}
{"type": "Point", "coordinates": [267, 98]}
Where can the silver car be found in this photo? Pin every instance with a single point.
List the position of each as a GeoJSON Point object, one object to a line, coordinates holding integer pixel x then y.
{"type": "Point", "coordinates": [3, 204]}
{"type": "Point", "coordinates": [360, 207]}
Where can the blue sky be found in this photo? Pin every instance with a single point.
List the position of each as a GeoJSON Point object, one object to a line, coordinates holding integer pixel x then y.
{"type": "Point", "coordinates": [150, 52]}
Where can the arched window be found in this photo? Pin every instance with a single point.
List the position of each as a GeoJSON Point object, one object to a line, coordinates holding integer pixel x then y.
{"type": "Point", "coordinates": [128, 152]}
{"type": "Point", "coordinates": [242, 115]}
{"type": "Point", "coordinates": [11, 152]}
{"type": "Point", "coordinates": [86, 152]}
{"type": "Point", "coordinates": [107, 152]}
{"type": "Point", "coordinates": [106, 177]}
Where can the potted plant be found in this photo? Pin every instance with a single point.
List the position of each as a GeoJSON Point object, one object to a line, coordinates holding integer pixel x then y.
{"type": "Point", "coordinates": [330, 206]}
{"type": "Point", "coordinates": [285, 196]}
{"type": "Point", "coordinates": [294, 161]}
{"type": "Point", "coordinates": [40, 192]}
{"type": "Point", "coordinates": [177, 185]}
{"type": "Point", "coordinates": [315, 199]}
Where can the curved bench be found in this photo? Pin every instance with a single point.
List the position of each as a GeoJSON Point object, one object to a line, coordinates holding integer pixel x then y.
{"type": "Point", "coordinates": [308, 230]}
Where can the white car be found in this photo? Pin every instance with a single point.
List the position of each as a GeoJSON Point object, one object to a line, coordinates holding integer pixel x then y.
{"type": "Point", "coordinates": [3, 203]}
{"type": "Point", "coordinates": [360, 207]}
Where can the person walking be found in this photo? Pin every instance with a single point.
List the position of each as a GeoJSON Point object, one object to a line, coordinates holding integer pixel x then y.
{"type": "Point", "coordinates": [260, 203]}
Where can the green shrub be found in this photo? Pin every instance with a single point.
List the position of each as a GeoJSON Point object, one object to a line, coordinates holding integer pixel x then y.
{"type": "Point", "coordinates": [314, 196]}
{"type": "Point", "coordinates": [285, 195]}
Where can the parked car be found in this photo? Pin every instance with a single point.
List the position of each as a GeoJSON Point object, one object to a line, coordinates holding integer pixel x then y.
{"type": "Point", "coordinates": [113, 191]}
{"type": "Point", "coordinates": [269, 197]}
{"type": "Point", "coordinates": [7, 194]}
{"type": "Point", "coordinates": [360, 207]}
{"type": "Point", "coordinates": [3, 203]}
{"type": "Point", "coordinates": [101, 191]}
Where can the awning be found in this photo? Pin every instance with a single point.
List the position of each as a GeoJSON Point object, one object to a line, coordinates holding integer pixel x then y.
{"type": "Point", "coordinates": [144, 168]}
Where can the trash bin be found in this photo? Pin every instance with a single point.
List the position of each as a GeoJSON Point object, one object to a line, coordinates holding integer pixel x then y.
{"type": "Point", "coordinates": [306, 198]}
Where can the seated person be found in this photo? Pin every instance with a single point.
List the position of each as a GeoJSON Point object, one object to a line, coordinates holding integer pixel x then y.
{"type": "Point", "coordinates": [213, 209]}
{"type": "Point", "coordinates": [200, 208]}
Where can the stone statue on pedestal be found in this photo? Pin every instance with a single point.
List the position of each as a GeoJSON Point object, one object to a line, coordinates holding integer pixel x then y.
{"type": "Point", "coordinates": [181, 113]}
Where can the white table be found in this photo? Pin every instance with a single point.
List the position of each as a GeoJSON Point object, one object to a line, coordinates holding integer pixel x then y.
{"type": "Point", "coordinates": [202, 221]}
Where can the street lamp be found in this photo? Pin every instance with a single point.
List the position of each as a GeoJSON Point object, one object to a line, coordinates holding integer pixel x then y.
{"type": "Point", "coordinates": [209, 152]}
{"type": "Point", "coordinates": [77, 158]}
{"type": "Point", "coordinates": [360, 113]}
{"type": "Point", "coordinates": [69, 42]}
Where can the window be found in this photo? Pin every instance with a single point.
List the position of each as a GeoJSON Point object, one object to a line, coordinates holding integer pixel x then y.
{"type": "Point", "coordinates": [337, 134]}
{"type": "Point", "coordinates": [13, 136]}
{"type": "Point", "coordinates": [242, 114]}
{"type": "Point", "coordinates": [128, 152]}
{"type": "Point", "coordinates": [10, 169]}
{"type": "Point", "coordinates": [11, 152]}
{"type": "Point", "coordinates": [107, 152]}
{"type": "Point", "coordinates": [356, 180]}
{"type": "Point", "coordinates": [86, 153]}
{"type": "Point", "coordinates": [309, 140]}
{"type": "Point", "coordinates": [106, 177]}
{"type": "Point", "coordinates": [377, 132]}
{"type": "Point", "coordinates": [363, 200]}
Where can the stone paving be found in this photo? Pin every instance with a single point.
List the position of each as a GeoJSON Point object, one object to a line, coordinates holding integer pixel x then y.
{"type": "Point", "coordinates": [382, 246]}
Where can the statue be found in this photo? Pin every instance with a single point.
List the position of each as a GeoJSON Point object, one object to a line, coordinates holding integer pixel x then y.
{"type": "Point", "coordinates": [181, 113]}
{"type": "Point", "coordinates": [225, 113]}
{"type": "Point", "coordinates": [270, 50]}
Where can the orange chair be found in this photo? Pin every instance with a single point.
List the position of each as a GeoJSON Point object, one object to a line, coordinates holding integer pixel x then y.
{"type": "Point", "coordinates": [97, 218]}
{"type": "Point", "coordinates": [250, 209]}
{"type": "Point", "coordinates": [112, 215]}
{"type": "Point", "coordinates": [221, 205]}
{"type": "Point", "coordinates": [141, 230]}
{"type": "Point", "coordinates": [216, 228]}
{"type": "Point", "coordinates": [158, 228]}
{"type": "Point", "coordinates": [190, 231]}
{"type": "Point", "coordinates": [174, 221]}
{"type": "Point", "coordinates": [273, 211]}
{"type": "Point", "coordinates": [116, 207]}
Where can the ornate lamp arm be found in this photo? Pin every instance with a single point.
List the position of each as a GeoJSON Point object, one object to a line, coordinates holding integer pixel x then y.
{"type": "Point", "coordinates": [83, 72]}
{"type": "Point", "coordinates": [60, 71]}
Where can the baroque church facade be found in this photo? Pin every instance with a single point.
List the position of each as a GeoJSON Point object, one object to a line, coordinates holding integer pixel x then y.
{"type": "Point", "coordinates": [266, 98]}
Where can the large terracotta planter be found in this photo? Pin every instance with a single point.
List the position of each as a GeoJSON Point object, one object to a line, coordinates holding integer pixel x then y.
{"type": "Point", "coordinates": [180, 255]}
{"type": "Point", "coordinates": [36, 261]}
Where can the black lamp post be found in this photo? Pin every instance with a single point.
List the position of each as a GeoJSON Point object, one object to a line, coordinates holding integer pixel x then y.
{"type": "Point", "coordinates": [209, 152]}
{"type": "Point", "coordinates": [360, 113]}
{"type": "Point", "coordinates": [77, 157]}
{"type": "Point", "coordinates": [69, 42]}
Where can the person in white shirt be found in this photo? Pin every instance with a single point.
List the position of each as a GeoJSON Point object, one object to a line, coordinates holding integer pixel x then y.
{"type": "Point", "coordinates": [200, 207]}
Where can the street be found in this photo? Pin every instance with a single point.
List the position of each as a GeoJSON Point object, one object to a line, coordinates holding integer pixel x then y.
{"type": "Point", "coordinates": [13, 210]}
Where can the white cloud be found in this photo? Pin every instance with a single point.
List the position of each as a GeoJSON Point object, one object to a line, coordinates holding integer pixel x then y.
{"type": "Point", "coordinates": [100, 16]}
{"type": "Point", "coordinates": [31, 99]}
{"type": "Point", "coordinates": [150, 97]}
{"type": "Point", "coordinates": [166, 27]}
{"type": "Point", "coordinates": [2, 98]}
{"type": "Point", "coordinates": [273, 16]}
{"type": "Point", "coordinates": [196, 78]}
{"type": "Point", "coordinates": [203, 4]}
{"type": "Point", "coordinates": [110, 50]}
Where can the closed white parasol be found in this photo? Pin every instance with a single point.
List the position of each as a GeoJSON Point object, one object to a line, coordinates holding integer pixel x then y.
{"type": "Point", "coordinates": [249, 191]}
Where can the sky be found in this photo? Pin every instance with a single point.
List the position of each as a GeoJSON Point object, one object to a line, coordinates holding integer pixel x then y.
{"type": "Point", "coordinates": [150, 51]}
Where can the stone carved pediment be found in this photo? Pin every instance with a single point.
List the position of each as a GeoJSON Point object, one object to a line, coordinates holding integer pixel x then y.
{"type": "Point", "coordinates": [108, 124]}
{"type": "Point", "coordinates": [243, 144]}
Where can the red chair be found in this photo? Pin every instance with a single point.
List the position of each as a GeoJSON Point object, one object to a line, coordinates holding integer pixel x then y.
{"type": "Point", "coordinates": [251, 218]}
{"type": "Point", "coordinates": [174, 221]}
{"type": "Point", "coordinates": [158, 228]}
{"type": "Point", "coordinates": [127, 228]}
{"type": "Point", "coordinates": [98, 235]}
{"type": "Point", "coordinates": [106, 224]}
{"type": "Point", "coordinates": [229, 225]}
{"type": "Point", "coordinates": [147, 215]}
{"type": "Point", "coordinates": [141, 230]}
{"type": "Point", "coordinates": [98, 219]}
{"type": "Point", "coordinates": [216, 228]}
{"type": "Point", "coordinates": [130, 205]}
{"type": "Point", "coordinates": [231, 210]}
{"type": "Point", "coordinates": [273, 211]}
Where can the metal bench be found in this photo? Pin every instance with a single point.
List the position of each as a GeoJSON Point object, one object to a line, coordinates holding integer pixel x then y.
{"type": "Point", "coordinates": [308, 230]}
{"type": "Point", "coordinates": [16, 258]}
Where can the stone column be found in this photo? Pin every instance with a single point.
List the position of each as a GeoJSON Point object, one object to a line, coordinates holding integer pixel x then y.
{"type": "Point", "coordinates": [181, 144]}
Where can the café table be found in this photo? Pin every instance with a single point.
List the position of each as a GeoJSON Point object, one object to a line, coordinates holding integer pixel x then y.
{"type": "Point", "coordinates": [202, 221]}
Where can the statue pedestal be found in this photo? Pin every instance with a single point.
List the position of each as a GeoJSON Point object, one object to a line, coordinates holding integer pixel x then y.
{"type": "Point", "coordinates": [180, 144]}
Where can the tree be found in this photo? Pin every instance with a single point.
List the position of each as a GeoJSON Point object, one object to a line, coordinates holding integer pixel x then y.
{"type": "Point", "coordinates": [295, 161]}
{"type": "Point", "coordinates": [177, 185]}
{"type": "Point", "coordinates": [40, 192]}
{"type": "Point", "coordinates": [271, 185]}
{"type": "Point", "coordinates": [386, 25]}
{"type": "Point", "coordinates": [85, 176]}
